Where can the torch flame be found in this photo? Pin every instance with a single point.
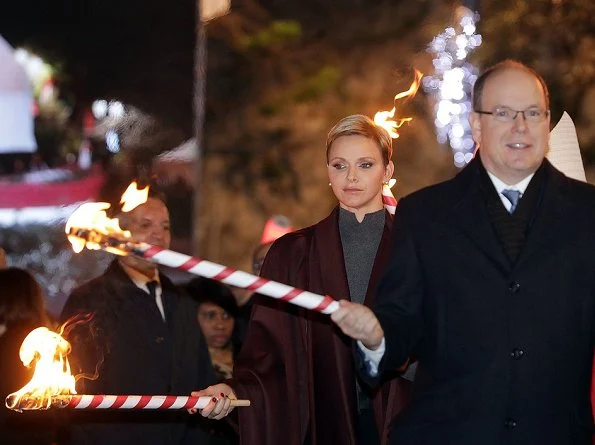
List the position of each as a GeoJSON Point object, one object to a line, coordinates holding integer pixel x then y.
{"type": "Point", "coordinates": [133, 197]}
{"type": "Point", "coordinates": [47, 352]}
{"type": "Point", "coordinates": [385, 118]}
{"type": "Point", "coordinates": [89, 226]}
{"type": "Point", "coordinates": [92, 217]}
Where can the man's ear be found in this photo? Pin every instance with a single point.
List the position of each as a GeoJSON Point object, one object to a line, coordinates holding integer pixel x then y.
{"type": "Point", "coordinates": [475, 121]}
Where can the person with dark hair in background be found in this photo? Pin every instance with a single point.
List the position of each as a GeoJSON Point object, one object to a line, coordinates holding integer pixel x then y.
{"type": "Point", "coordinates": [217, 310]}
{"type": "Point", "coordinates": [143, 339]}
{"type": "Point", "coordinates": [295, 366]}
{"type": "Point", "coordinates": [216, 315]}
{"type": "Point", "coordinates": [21, 310]}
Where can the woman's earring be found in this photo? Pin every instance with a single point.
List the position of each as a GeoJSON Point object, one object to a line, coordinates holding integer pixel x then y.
{"type": "Point", "coordinates": [330, 184]}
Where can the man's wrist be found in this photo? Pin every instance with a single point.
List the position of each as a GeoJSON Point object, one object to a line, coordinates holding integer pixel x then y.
{"type": "Point", "coordinates": [374, 343]}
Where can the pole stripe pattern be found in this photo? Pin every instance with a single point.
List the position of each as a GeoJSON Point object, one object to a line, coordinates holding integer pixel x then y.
{"type": "Point", "coordinates": [238, 278]}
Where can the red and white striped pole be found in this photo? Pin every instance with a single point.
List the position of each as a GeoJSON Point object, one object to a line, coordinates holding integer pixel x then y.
{"type": "Point", "coordinates": [388, 199]}
{"type": "Point", "coordinates": [197, 266]}
{"type": "Point", "coordinates": [146, 402]}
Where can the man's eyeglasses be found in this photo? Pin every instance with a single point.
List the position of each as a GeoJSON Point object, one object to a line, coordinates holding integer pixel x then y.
{"type": "Point", "coordinates": [505, 114]}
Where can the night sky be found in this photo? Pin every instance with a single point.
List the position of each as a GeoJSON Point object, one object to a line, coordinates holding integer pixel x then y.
{"type": "Point", "coordinates": [140, 52]}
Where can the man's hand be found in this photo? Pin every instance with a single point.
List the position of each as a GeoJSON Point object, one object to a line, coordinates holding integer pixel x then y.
{"type": "Point", "coordinates": [220, 404]}
{"type": "Point", "coordinates": [359, 322]}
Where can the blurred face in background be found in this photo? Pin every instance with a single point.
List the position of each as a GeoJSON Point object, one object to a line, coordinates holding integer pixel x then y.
{"type": "Point", "coordinates": [147, 223]}
{"type": "Point", "coordinates": [216, 324]}
{"type": "Point", "coordinates": [356, 171]}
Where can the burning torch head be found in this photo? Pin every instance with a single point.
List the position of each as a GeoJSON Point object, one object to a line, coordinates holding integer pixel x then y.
{"type": "Point", "coordinates": [90, 226]}
{"type": "Point", "coordinates": [46, 352]}
{"type": "Point", "coordinates": [385, 118]}
{"type": "Point", "coordinates": [42, 342]}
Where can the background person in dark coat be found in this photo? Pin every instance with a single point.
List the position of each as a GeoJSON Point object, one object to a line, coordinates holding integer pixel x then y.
{"type": "Point", "coordinates": [143, 338]}
{"type": "Point", "coordinates": [495, 298]}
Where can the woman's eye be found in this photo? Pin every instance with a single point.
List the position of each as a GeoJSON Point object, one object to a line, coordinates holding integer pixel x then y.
{"type": "Point", "coordinates": [366, 165]}
{"type": "Point", "coordinates": [338, 166]}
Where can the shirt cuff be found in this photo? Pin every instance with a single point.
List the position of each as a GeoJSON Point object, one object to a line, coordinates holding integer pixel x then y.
{"type": "Point", "coordinates": [371, 357]}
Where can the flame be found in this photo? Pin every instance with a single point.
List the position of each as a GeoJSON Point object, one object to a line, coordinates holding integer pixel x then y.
{"type": "Point", "coordinates": [92, 219]}
{"type": "Point", "coordinates": [89, 226]}
{"type": "Point", "coordinates": [47, 351]}
{"type": "Point", "coordinates": [133, 197]}
{"type": "Point", "coordinates": [384, 118]}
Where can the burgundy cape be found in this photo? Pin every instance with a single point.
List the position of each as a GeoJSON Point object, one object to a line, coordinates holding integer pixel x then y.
{"type": "Point", "coordinates": [296, 366]}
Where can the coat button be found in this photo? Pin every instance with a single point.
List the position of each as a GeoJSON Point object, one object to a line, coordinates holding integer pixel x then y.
{"type": "Point", "coordinates": [510, 423]}
{"type": "Point", "coordinates": [514, 287]}
{"type": "Point", "coordinates": [159, 340]}
{"type": "Point", "coordinates": [516, 353]}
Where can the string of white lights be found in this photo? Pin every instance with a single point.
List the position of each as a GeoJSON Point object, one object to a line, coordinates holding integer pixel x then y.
{"type": "Point", "coordinates": [452, 82]}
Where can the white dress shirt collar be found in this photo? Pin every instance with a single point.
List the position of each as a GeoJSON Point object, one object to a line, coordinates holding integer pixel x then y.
{"type": "Point", "coordinates": [140, 280]}
{"type": "Point", "coordinates": [500, 185]}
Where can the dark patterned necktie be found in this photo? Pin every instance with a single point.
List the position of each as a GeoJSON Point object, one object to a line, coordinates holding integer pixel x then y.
{"type": "Point", "coordinates": [513, 196]}
{"type": "Point", "coordinates": [152, 286]}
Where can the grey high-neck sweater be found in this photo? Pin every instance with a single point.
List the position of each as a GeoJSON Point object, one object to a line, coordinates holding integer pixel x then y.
{"type": "Point", "coordinates": [360, 243]}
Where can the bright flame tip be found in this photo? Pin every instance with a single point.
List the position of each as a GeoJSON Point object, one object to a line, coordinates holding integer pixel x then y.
{"type": "Point", "coordinates": [133, 197]}
{"type": "Point", "coordinates": [385, 120]}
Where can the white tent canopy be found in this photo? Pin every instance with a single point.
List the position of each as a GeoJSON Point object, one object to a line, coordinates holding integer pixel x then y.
{"type": "Point", "coordinates": [16, 105]}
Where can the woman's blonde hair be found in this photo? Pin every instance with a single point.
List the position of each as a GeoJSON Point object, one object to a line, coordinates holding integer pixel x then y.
{"type": "Point", "coordinates": [360, 125]}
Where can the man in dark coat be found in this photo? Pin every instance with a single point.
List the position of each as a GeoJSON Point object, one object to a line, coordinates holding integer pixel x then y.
{"type": "Point", "coordinates": [491, 284]}
{"type": "Point", "coordinates": [143, 338]}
